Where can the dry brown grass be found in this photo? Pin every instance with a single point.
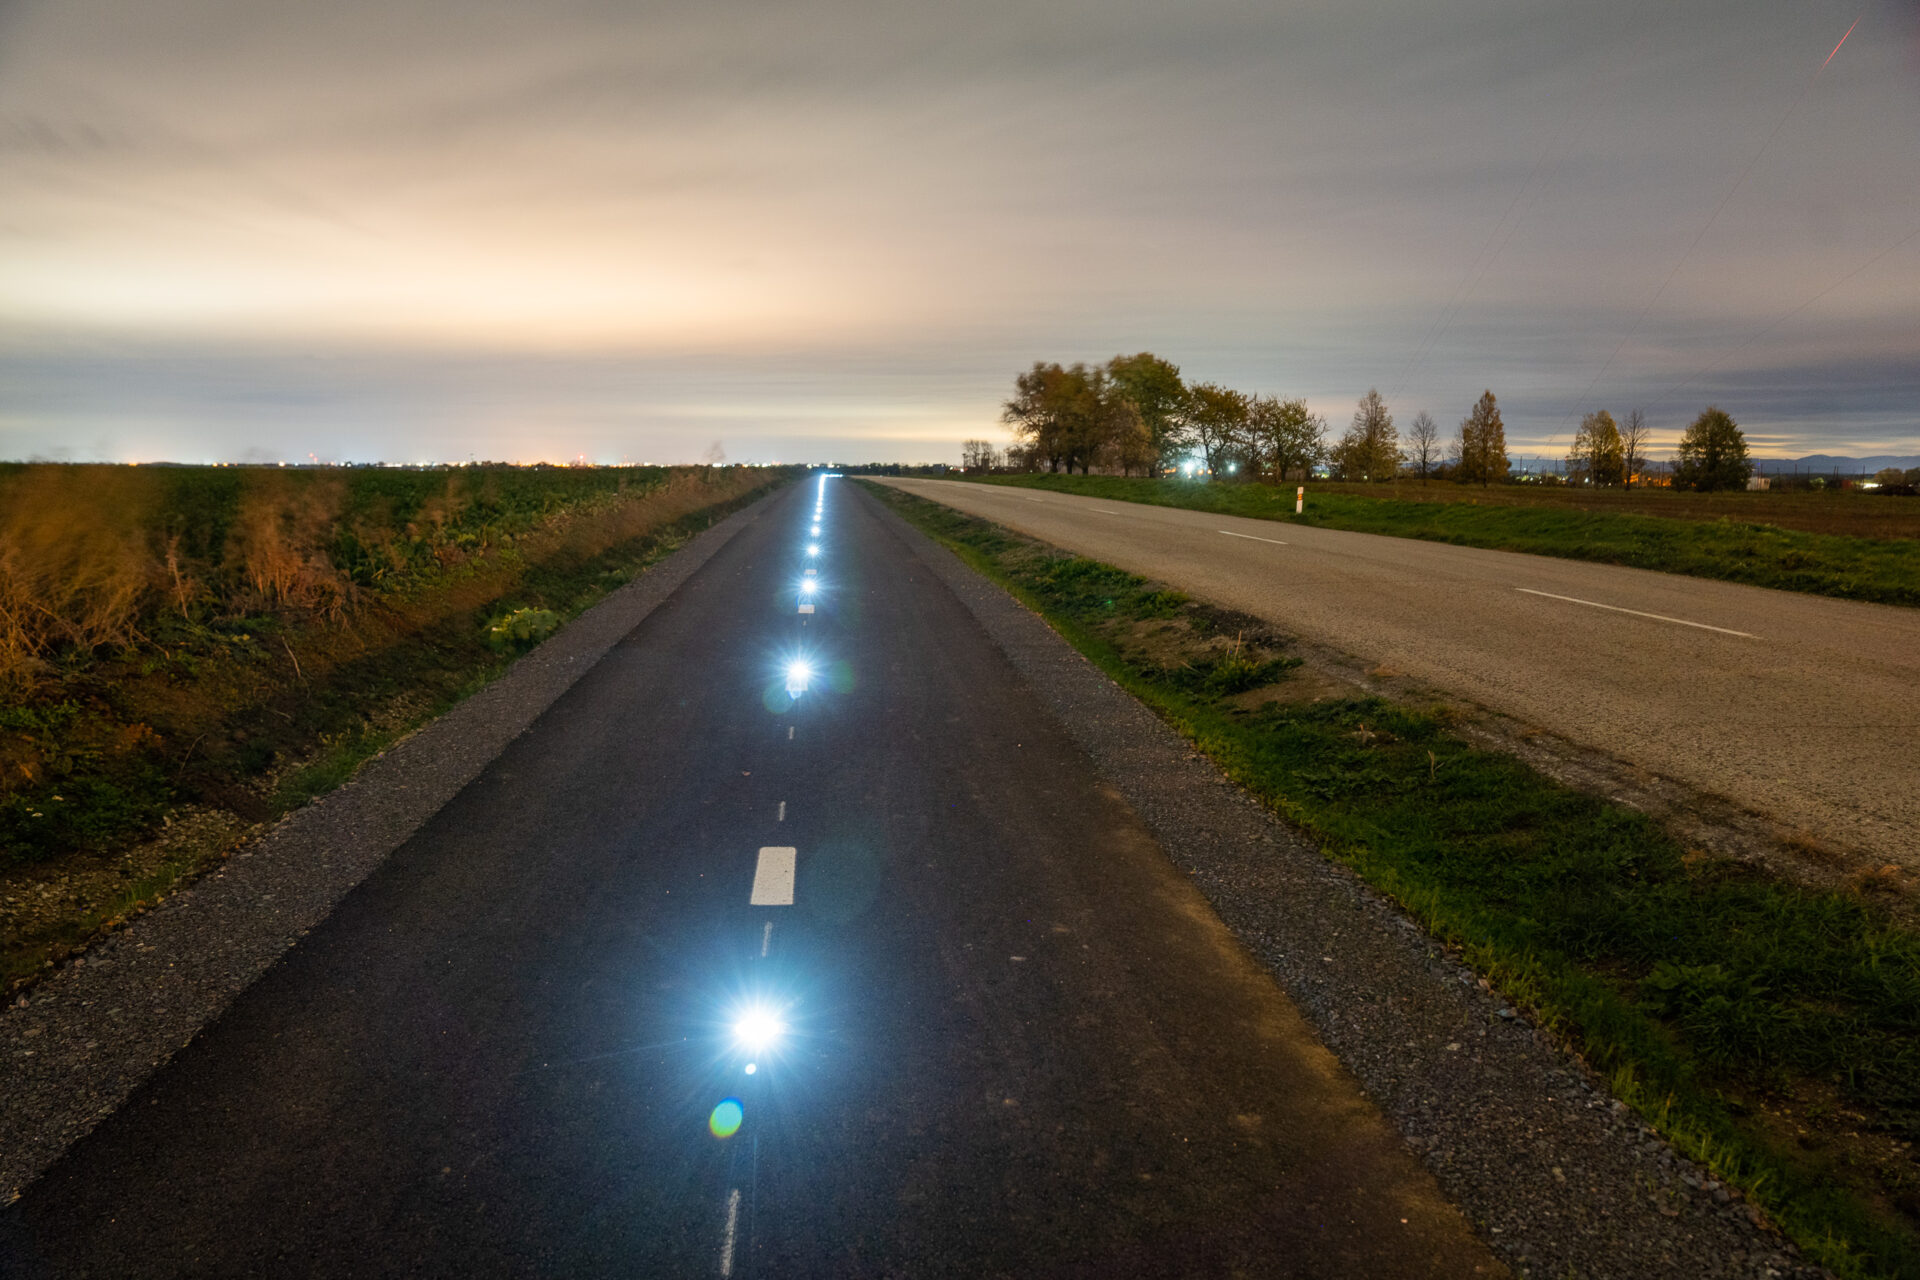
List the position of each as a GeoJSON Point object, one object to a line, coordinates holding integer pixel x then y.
{"type": "Point", "coordinates": [93, 556]}
{"type": "Point", "coordinates": [278, 544]}
{"type": "Point", "coordinates": [75, 567]}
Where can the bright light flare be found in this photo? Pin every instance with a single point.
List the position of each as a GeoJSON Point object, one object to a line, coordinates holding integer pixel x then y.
{"type": "Point", "coordinates": [807, 586]}
{"type": "Point", "coordinates": [813, 548]}
{"type": "Point", "coordinates": [758, 1028]}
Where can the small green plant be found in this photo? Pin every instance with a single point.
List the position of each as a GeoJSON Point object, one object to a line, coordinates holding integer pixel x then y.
{"type": "Point", "coordinates": [1234, 671]}
{"type": "Point", "coordinates": [520, 630]}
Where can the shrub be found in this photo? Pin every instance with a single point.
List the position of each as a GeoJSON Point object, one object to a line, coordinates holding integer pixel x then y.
{"type": "Point", "coordinates": [521, 629]}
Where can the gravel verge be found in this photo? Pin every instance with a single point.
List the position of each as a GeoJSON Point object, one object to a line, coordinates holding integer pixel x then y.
{"type": "Point", "coordinates": [82, 1039]}
{"type": "Point", "coordinates": [1558, 1177]}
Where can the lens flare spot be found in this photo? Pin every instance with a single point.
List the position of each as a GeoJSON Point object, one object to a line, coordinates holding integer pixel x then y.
{"type": "Point", "coordinates": [752, 1067]}
{"type": "Point", "coordinates": [726, 1118]}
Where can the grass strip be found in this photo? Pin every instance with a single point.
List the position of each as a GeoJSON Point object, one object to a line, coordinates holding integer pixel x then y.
{"type": "Point", "coordinates": [1884, 570]}
{"type": "Point", "coordinates": [1728, 1008]}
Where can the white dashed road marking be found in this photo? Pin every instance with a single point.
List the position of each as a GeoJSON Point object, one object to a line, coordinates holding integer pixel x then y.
{"type": "Point", "coordinates": [1250, 538]}
{"type": "Point", "coordinates": [1657, 617]}
{"type": "Point", "coordinates": [783, 812]}
{"type": "Point", "coordinates": [773, 877]}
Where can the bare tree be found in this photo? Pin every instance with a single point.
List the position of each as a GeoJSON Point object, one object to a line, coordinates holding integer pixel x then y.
{"type": "Point", "coordinates": [978, 455]}
{"type": "Point", "coordinates": [1635, 435]}
{"type": "Point", "coordinates": [1423, 444]}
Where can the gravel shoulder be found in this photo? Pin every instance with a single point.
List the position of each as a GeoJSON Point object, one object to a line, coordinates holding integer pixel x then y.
{"type": "Point", "coordinates": [1556, 1175]}
{"type": "Point", "coordinates": [82, 1039]}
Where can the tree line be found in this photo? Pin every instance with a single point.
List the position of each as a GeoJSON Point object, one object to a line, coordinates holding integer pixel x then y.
{"type": "Point", "coordinates": [1135, 415]}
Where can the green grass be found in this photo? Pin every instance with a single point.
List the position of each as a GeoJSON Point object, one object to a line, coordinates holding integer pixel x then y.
{"type": "Point", "coordinates": [1700, 988]}
{"type": "Point", "coordinates": [1886, 570]}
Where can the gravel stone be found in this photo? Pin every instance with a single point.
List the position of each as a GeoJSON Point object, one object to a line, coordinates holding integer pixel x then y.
{"type": "Point", "coordinates": [76, 1044]}
{"type": "Point", "coordinates": [1493, 1108]}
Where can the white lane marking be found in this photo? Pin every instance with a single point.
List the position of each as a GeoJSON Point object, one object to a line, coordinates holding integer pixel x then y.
{"type": "Point", "coordinates": [733, 1227]}
{"type": "Point", "coordinates": [1250, 538]}
{"type": "Point", "coordinates": [1033, 499]}
{"type": "Point", "coordinates": [806, 608]}
{"type": "Point", "coordinates": [766, 939]}
{"type": "Point", "coordinates": [789, 733]}
{"type": "Point", "coordinates": [773, 877]}
{"type": "Point", "coordinates": [1103, 511]}
{"type": "Point", "coordinates": [783, 812]}
{"type": "Point", "coordinates": [1657, 617]}
{"type": "Point", "coordinates": [812, 573]}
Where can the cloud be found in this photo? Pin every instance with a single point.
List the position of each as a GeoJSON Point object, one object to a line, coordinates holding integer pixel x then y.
{"type": "Point", "coordinates": [1333, 195]}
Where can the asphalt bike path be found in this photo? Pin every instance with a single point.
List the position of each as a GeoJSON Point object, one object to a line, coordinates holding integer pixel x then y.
{"type": "Point", "coordinates": [794, 940]}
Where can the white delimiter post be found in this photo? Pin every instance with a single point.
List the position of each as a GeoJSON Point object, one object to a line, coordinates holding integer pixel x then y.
{"type": "Point", "coordinates": [1299, 499]}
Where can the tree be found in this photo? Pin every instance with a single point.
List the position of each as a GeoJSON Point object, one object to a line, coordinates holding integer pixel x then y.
{"type": "Point", "coordinates": [1712, 455]}
{"type": "Point", "coordinates": [1371, 448]}
{"type": "Point", "coordinates": [978, 455]}
{"type": "Point", "coordinates": [1058, 413]}
{"type": "Point", "coordinates": [1154, 388]}
{"type": "Point", "coordinates": [1634, 437]}
{"type": "Point", "coordinates": [1423, 444]}
{"type": "Point", "coordinates": [1128, 444]}
{"type": "Point", "coordinates": [1216, 419]}
{"type": "Point", "coordinates": [1481, 449]}
{"type": "Point", "coordinates": [1597, 456]}
{"type": "Point", "coordinates": [1030, 413]}
{"type": "Point", "coordinates": [1283, 436]}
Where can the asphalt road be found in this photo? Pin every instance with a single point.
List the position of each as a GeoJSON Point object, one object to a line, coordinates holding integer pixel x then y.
{"type": "Point", "coordinates": [1801, 708]}
{"type": "Point", "coordinates": [1016, 1040]}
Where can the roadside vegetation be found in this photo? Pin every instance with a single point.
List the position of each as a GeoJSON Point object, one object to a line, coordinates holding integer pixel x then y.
{"type": "Point", "coordinates": [1770, 1031]}
{"type": "Point", "coordinates": [188, 653]}
{"type": "Point", "coordinates": [1730, 548]}
{"type": "Point", "coordinates": [1137, 415]}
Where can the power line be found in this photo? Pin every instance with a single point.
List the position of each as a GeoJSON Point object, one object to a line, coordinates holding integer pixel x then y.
{"type": "Point", "coordinates": [1714, 217]}
{"type": "Point", "coordinates": [1784, 316]}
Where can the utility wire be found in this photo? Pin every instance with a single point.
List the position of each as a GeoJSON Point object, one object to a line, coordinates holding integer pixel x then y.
{"type": "Point", "coordinates": [1700, 235]}
{"type": "Point", "coordinates": [1784, 316]}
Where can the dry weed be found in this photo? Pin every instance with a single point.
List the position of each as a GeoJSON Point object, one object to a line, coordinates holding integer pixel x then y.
{"type": "Point", "coordinates": [75, 565]}
{"type": "Point", "coordinates": [279, 539]}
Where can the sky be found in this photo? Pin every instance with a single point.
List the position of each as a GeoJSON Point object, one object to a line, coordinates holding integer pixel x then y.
{"type": "Point", "coordinates": [427, 230]}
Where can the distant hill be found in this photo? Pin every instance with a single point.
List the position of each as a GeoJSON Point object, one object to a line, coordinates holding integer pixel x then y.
{"type": "Point", "coordinates": [1829, 464]}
